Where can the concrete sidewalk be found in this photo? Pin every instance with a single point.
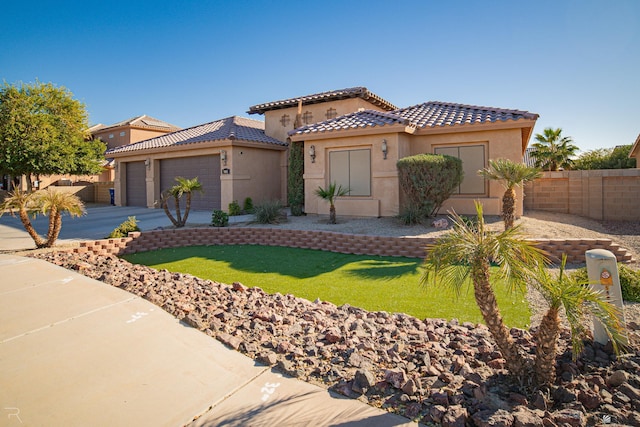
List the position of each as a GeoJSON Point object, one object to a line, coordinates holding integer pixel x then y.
{"type": "Point", "coordinates": [78, 352]}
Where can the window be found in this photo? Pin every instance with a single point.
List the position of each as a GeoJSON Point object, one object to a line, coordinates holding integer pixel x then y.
{"type": "Point", "coordinates": [307, 117]}
{"type": "Point", "coordinates": [331, 113]}
{"type": "Point", "coordinates": [122, 133]}
{"type": "Point", "coordinates": [110, 136]}
{"type": "Point", "coordinates": [472, 157]}
{"type": "Point", "coordinates": [285, 120]}
{"type": "Point", "coordinates": [352, 170]}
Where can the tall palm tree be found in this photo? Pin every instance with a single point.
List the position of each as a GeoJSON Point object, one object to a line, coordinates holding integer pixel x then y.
{"type": "Point", "coordinates": [184, 186]}
{"type": "Point", "coordinates": [510, 175]}
{"type": "Point", "coordinates": [329, 194]}
{"type": "Point", "coordinates": [552, 150]}
{"type": "Point", "coordinates": [47, 202]}
{"type": "Point", "coordinates": [467, 251]}
{"type": "Point", "coordinates": [577, 300]}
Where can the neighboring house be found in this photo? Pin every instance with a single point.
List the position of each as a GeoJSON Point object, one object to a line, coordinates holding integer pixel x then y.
{"type": "Point", "coordinates": [132, 130]}
{"type": "Point", "coordinates": [635, 151]}
{"type": "Point", "coordinates": [356, 138]}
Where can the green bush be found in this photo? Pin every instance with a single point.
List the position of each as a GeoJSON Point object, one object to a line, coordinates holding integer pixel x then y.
{"type": "Point", "coordinates": [295, 180]}
{"type": "Point", "coordinates": [219, 218]}
{"type": "Point", "coordinates": [234, 208]}
{"type": "Point", "coordinates": [629, 281]}
{"type": "Point", "coordinates": [269, 212]}
{"type": "Point", "coordinates": [412, 214]}
{"type": "Point", "coordinates": [248, 205]}
{"type": "Point", "coordinates": [123, 230]}
{"type": "Point", "coordinates": [429, 179]}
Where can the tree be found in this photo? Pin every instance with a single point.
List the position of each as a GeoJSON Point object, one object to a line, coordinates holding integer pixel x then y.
{"type": "Point", "coordinates": [47, 202]}
{"type": "Point", "coordinates": [553, 151]}
{"type": "Point", "coordinates": [329, 194]}
{"type": "Point", "coordinates": [295, 178]}
{"type": "Point", "coordinates": [466, 252]}
{"type": "Point", "coordinates": [185, 187]}
{"type": "Point", "coordinates": [606, 158]}
{"type": "Point", "coordinates": [510, 175]}
{"type": "Point", "coordinates": [577, 300]}
{"type": "Point", "coordinates": [43, 131]}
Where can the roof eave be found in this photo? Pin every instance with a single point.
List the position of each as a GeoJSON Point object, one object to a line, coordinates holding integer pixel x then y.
{"type": "Point", "coordinates": [633, 154]}
{"type": "Point", "coordinates": [345, 133]}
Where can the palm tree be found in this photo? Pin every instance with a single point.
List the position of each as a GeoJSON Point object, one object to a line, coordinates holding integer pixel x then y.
{"type": "Point", "coordinates": [511, 175]}
{"type": "Point", "coordinates": [186, 187]}
{"type": "Point", "coordinates": [577, 300]}
{"type": "Point", "coordinates": [467, 251]}
{"type": "Point", "coordinates": [329, 194]}
{"type": "Point", "coordinates": [553, 151]}
{"type": "Point", "coordinates": [47, 202]}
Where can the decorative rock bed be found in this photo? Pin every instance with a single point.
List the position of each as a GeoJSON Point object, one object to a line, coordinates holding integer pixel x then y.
{"type": "Point", "coordinates": [432, 371]}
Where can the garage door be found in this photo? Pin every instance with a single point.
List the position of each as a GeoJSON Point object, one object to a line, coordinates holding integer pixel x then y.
{"type": "Point", "coordinates": [136, 184]}
{"type": "Point", "coordinates": [206, 168]}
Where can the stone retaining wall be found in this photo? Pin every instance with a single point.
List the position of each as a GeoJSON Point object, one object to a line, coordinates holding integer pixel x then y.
{"type": "Point", "coordinates": [322, 240]}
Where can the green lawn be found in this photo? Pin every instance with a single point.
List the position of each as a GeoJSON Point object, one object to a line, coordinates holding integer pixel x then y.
{"type": "Point", "coordinates": [371, 282]}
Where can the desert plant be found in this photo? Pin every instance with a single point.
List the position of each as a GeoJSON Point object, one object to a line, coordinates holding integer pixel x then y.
{"type": "Point", "coordinates": [46, 202]}
{"type": "Point", "coordinates": [510, 175]}
{"type": "Point", "coordinates": [234, 208]}
{"type": "Point", "coordinates": [268, 212]}
{"type": "Point", "coordinates": [184, 186]}
{"type": "Point", "coordinates": [577, 301]}
{"type": "Point", "coordinates": [219, 218]}
{"type": "Point", "coordinates": [248, 205]}
{"type": "Point", "coordinates": [329, 194]}
{"type": "Point", "coordinates": [629, 281]}
{"type": "Point", "coordinates": [295, 179]}
{"type": "Point", "coordinates": [429, 179]}
{"type": "Point", "coordinates": [412, 214]}
{"type": "Point", "coordinates": [466, 252]}
{"type": "Point", "coordinates": [123, 230]}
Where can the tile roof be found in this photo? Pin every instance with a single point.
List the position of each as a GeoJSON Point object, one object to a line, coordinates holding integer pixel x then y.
{"type": "Point", "coordinates": [233, 128]}
{"type": "Point", "coordinates": [352, 92]}
{"type": "Point", "coordinates": [138, 121]}
{"type": "Point", "coordinates": [427, 115]}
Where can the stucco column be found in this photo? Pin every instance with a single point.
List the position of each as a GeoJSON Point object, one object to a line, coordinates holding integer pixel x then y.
{"type": "Point", "coordinates": [119, 183]}
{"type": "Point", "coordinates": [152, 166]}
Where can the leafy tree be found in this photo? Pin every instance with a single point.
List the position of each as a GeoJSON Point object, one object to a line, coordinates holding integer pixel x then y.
{"type": "Point", "coordinates": [43, 131]}
{"type": "Point", "coordinates": [184, 187]}
{"type": "Point", "coordinates": [295, 184]}
{"type": "Point", "coordinates": [553, 151]}
{"type": "Point", "coordinates": [47, 202]}
{"type": "Point", "coordinates": [576, 300]}
{"type": "Point", "coordinates": [329, 194]}
{"type": "Point", "coordinates": [467, 251]}
{"type": "Point", "coordinates": [510, 175]}
{"type": "Point", "coordinates": [606, 158]}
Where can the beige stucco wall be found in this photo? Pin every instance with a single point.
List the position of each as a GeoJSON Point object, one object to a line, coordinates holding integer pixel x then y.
{"type": "Point", "coordinates": [274, 128]}
{"type": "Point", "coordinates": [130, 136]}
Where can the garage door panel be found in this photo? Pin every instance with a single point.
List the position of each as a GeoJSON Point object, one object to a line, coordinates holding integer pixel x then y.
{"type": "Point", "coordinates": [136, 184]}
{"type": "Point", "coordinates": [205, 168]}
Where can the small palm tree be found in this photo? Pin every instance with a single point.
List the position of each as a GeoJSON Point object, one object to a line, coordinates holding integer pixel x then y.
{"type": "Point", "coordinates": [47, 202]}
{"type": "Point", "coordinates": [511, 175]}
{"type": "Point", "coordinates": [467, 251]}
{"type": "Point", "coordinates": [552, 150]}
{"type": "Point", "coordinates": [186, 187]}
{"type": "Point", "coordinates": [577, 300]}
{"type": "Point", "coordinates": [329, 194]}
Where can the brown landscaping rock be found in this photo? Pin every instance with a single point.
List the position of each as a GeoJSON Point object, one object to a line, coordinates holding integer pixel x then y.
{"type": "Point", "coordinates": [490, 418]}
{"type": "Point", "coordinates": [617, 378]}
{"type": "Point", "coordinates": [524, 417]}
{"type": "Point", "coordinates": [456, 416]}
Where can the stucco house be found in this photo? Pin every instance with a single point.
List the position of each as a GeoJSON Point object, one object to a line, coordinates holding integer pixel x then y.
{"type": "Point", "coordinates": [131, 130]}
{"type": "Point", "coordinates": [350, 136]}
{"type": "Point", "coordinates": [635, 151]}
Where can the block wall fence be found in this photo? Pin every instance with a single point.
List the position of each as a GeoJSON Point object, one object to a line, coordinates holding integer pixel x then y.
{"type": "Point", "coordinates": [609, 195]}
{"type": "Point", "coordinates": [322, 240]}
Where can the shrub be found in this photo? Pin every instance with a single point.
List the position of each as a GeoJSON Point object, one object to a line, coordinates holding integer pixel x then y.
{"type": "Point", "coordinates": [629, 281]}
{"type": "Point", "coordinates": [268, 212]}
{"type": "Point", "coordinates": [234, 208]}
{"type": "Point", "coordinates": [429, 179]}
{"type": "Point", "coordinates": [295, 180]}
{"type": "Point", "coordinates": [248, 205]}
{"type": "Point", "coordinates": [123, 230]}
{"type": "Point", "coordinates": [412, 214]}
{"type": "Point", "coordinates": [219, 219]}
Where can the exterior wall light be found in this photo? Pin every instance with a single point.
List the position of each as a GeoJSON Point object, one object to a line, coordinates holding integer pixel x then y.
{"type": "Point", "coordinates": [312, 153]}
{"type": "Point", "coordinates": [385, 149]}
{"type": "Point", "coordinates": [223, 157]}
{"type": "Point", "coordinates": [147, 163]}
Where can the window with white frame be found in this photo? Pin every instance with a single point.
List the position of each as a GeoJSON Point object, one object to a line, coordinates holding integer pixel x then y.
{"type": "Point", "coordinates": [473, 160]}
{"type": "Point", "coordinates": [351, 169]}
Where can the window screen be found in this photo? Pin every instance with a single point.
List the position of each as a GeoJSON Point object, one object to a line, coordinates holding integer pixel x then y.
{"type": "Point", "coordinates": [352, 170]}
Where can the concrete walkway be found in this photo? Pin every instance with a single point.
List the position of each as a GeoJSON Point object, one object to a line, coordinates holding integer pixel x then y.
{"type": "Point", "coordinates": [78, 352]}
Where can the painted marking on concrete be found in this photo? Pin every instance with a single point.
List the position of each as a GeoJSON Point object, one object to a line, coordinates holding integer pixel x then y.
{"type": "Point", "coordinates": [64, 281]}
{"type": "Point", "coordinates": [70, 318]}
{"type": "Point", "coordinates": [268, 390]}
{"type": "Point", "coordinates": [13, 413]}
{"type": "Point", "coordinates": [138, 315]}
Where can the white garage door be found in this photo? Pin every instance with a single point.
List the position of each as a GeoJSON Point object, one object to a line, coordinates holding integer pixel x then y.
{"type": "Point", "coordinates": [206, 168]}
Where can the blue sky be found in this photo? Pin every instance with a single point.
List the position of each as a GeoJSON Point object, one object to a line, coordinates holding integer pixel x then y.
{"type": "Point", "coordinates": [576, 63]}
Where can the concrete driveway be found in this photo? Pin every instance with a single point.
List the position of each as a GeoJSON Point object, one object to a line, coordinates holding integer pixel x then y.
{"type": "Point", "coordinates": [99, 221]}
